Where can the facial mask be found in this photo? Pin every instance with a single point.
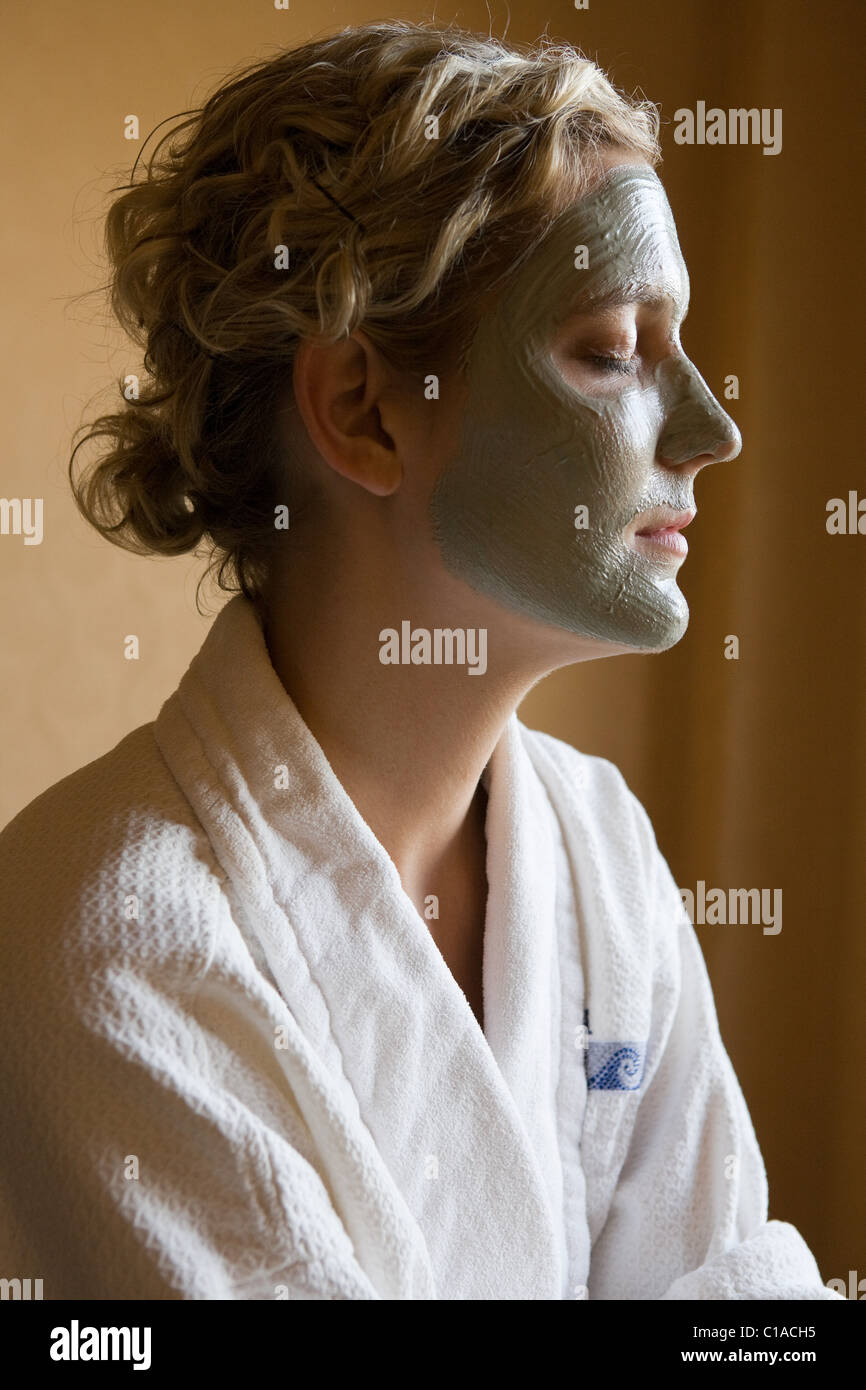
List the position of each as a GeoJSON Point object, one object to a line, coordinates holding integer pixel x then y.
{"type": "Point", "coordinates": [534, 447]}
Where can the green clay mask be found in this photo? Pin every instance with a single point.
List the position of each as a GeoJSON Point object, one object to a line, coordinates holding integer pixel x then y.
{"type": "Point", "coordinates": [545, 447]}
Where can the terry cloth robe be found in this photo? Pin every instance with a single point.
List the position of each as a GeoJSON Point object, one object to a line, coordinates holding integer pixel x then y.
{"type": "Point", "coordinates": [234, 1064]}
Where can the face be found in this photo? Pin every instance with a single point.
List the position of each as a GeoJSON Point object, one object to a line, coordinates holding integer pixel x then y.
{"type": "Point", "coordinates": [585, 424]}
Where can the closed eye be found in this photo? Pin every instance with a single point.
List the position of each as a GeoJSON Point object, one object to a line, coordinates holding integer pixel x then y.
{"type": "Point", "coordinates": [623, 366]}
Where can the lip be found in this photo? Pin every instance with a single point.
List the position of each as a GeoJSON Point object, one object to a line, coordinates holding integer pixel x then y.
{"type": "Point", "coordinates": [662, 531]}
{"type": "Point", "coordinates": [664, 519]}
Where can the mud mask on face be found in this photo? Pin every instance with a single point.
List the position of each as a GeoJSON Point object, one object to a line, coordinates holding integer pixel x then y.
{"type": "Point", "coordinates": [534, 447]}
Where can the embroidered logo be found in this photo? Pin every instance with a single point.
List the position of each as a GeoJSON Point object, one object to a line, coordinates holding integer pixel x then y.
{"type": "Point", "coordinates": [615, 1066]}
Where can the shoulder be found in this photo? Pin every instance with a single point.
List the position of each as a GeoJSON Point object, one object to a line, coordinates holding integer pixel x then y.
{"type": "Point", "coordinates": [108, 868]}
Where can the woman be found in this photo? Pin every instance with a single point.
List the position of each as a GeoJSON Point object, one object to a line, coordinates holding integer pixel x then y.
{"type": "Point", "coordinates": [340, 983]}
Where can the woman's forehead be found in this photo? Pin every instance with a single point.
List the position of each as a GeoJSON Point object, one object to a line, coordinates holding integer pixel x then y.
{"type": "Point", "coordinates": [616, 244]}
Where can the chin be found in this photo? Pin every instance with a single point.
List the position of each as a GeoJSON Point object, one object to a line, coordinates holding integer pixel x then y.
{"type": "Point", "coordinates": [633, 634]}
{"type": "Point", "coordinates": [666, 634]}
{"type": "Point", "coordinates": [664, 644]}
{"type": "Point", "coordinates": [644, 622]}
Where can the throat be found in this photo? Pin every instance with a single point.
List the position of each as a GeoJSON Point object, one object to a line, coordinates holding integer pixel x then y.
{"type": "Point", "coordinates": [452, 900]}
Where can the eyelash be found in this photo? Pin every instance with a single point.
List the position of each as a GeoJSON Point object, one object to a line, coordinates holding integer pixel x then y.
{"type": "Point", "coordinates": [622, 366]}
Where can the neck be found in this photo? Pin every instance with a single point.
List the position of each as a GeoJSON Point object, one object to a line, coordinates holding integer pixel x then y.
{"type": "Point", "coordinates": [408, 742]}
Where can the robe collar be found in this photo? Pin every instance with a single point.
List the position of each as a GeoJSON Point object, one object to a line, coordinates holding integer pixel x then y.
{"type": "Point", "coordinates": [462, 1120]}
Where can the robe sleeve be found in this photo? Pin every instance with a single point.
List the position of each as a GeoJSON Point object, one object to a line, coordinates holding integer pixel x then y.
{"type": "Point", "coordinates": [688, 1214]}
{"type": "Point", "coordinates": [133, 1164]}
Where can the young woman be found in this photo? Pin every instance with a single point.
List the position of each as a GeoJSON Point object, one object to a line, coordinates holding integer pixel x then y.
{"type": "Point", "coordinates": [335, 981]}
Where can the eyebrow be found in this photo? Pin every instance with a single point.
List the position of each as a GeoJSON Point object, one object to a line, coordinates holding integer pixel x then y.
{"type": "Point", "coordinates": [652, 296]}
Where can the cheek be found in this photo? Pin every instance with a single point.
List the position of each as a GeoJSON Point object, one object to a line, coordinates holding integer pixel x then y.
{"type": "Point", "coordinates": [532, 449]}
{"type": "Point", "coordinates": [612, 447]}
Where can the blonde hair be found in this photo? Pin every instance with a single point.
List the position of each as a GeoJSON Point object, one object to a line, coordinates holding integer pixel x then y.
{"type": "Point", "coordinates": [389, 223]}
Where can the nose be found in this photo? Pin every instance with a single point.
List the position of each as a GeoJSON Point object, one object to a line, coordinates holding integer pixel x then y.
{"type": "Point", "coordinates": [696, 426]}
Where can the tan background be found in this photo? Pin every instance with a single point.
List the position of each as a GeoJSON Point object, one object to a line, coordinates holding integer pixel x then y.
{"type": "Point", "coordinates": [753, 771]}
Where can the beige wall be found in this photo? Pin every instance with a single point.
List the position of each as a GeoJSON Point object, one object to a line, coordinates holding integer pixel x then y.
{"type": "Point", "coordinates": [752, 771]}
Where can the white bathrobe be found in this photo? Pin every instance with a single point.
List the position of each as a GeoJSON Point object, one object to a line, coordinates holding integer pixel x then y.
{"type": "Point", "coordinates": [234, 1064]}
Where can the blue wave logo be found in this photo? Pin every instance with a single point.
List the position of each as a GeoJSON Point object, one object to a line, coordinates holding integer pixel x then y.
{"type": "Point", "coordinates": [615, 1066]}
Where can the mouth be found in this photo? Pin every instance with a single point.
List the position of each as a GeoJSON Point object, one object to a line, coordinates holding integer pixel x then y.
{"type": "Point", "coordinates": [661, 532]}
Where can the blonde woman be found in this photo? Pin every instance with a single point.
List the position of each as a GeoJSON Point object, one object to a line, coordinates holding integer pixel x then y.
{"type": "Point", "coordinates": [335, 981]}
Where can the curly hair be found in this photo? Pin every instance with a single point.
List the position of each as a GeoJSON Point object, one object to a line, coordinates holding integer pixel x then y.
{"type": "Point", "coordinates": [387, 177]}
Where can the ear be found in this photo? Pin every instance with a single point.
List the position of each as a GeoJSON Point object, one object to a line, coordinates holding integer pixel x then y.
{"type": "Point", "coordinates": [338, 389]}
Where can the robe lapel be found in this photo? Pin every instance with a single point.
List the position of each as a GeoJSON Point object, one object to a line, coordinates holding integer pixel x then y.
{"type": "Point", "coordinates": [521, 969]}
{"type": "Point", "coordinates": [438, 1144]}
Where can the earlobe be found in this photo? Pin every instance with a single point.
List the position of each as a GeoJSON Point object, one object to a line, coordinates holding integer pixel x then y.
{"type": "Point", "coordinates": [338, 388]}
